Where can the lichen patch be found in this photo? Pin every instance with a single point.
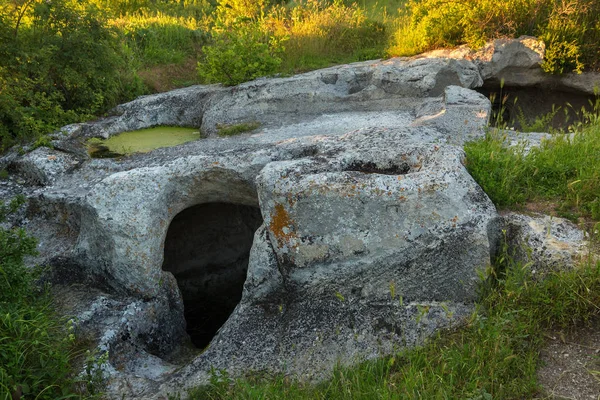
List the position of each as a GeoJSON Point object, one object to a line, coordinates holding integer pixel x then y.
{"type": "Point", "coordinates": [281, 225]}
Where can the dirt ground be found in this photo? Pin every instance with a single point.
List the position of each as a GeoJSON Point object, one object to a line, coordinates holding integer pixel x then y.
{"type": "Point", "coordinates": [571, 364]}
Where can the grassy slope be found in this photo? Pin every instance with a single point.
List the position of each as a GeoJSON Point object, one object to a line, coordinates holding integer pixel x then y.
{"type": "Point", "coordinates": [564, 170]}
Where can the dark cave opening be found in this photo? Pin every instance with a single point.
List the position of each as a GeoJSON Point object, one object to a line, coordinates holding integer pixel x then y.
{"type": "Point", "coordinates": [207, 249]}
{"type": "Point", "coordinates": [535, 108]}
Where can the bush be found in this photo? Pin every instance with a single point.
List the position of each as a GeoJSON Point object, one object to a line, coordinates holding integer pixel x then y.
{"type": "Point", "coordinates": [35, 352]}
{"type": "Point", "coordinates": [240, 53]}
{"type": "Point", "coordinates": [62, 64]}
{"type": "Point", "coordinates": [242, 47]}
{"type": "Point", "coordinates": [569, 28]}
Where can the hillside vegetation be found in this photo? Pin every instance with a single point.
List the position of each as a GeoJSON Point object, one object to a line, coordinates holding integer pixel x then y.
{"type": "Point", "coordinates": [63, 61]}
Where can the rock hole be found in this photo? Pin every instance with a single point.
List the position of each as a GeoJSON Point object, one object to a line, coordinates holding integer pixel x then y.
{"type": "Point", "coordinates": [369, 167]}
{"type": "Point", "coordinates": [207, 249]}
{"type": "Point", "coordinates": [535, 109]}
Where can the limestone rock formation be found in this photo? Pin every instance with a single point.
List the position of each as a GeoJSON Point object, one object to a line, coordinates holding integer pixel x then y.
{"type": "Point", "coordinates": [343, 228]}
{"type": "Point", "coordinates": [516, 62]}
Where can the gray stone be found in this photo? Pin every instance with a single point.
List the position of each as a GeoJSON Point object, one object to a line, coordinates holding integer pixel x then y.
{"type": "Point", "coordinates": [510, 60]}
{"type": "Point", "coordinates": [463, 117]}
{"type": "Point", "coordinates": [180, 107]}
{"type": "Point", "coordinates": [331, 220]}
{"type": "Point", "coordinates": [544, 243]}
{"type": "Point", "coordinates": [517, 63]}
{"type": "Point", "coordinates": [43, 166]}
{"type": "Point", "coordinates": [123, 327]}
{"type": "Point", "coordinates": [368, 86]}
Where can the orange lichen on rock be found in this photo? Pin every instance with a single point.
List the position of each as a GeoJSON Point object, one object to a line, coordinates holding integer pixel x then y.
{"type": "Point", "coordinates": [281, 225]}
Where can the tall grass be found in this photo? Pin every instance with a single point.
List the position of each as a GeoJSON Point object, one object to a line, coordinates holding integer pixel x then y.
{"type": "Point", "coordinates": [564, 169]}
{"type": "Point", "coordinates": [160, 39]}
{"type": "Point", "coordinates": [251, 41]}
{"type": "Point", "coordinates": [320, 34]}
{"type": "Point", "coordinates": [36, 347]}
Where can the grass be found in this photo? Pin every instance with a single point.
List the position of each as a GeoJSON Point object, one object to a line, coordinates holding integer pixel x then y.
{"type": "Point", "coordinates": [159, 39]}
{"type": "Point", "coordinates": [236, 129]}
{"type": "Point", "coordinates": [495, 355]}
{"type": "Point", "coordinates": [564, 169]}
{"type": "Point", "coordinates": [37, 349]}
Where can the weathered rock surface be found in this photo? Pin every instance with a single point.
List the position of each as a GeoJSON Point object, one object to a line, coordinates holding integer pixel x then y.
{"type": "Point", "coordinates": [517, 63]}
{"type": "Point", "coordinates": [395, 84]}
{"type": "Point", "coordinates": [180, 107]}
{"type": "Point", "coordinates": [371, 232]}
{"type": "Point", "coordinates": [544, 243]}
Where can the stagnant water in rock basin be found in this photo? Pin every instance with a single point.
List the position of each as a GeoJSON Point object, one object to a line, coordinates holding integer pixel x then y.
{"type": "Point", "coordinates": [207, 249]}
{"type": "Point", "coordinates": [141, 141]}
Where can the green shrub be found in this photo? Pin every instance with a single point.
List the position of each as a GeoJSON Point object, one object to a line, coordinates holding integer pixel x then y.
{"type": "Point", "coordinates": [36, 348]}
{"type": "Point", "coordinates": [242, 48]}
{"type": "Point", "coordinates": [239, 54]}
{"type": "Point", "coordinates": [570, 29]}
{"type": "Point", "coordinates": [15, 244]}
{"type": "Point", "coordinates": [62, 64]}
{"type": "Point", "coordinates": [252, 40]}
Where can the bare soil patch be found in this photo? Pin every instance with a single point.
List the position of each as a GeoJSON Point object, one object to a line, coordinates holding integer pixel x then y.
{"type": "Point", "coordinates": [571, 364]}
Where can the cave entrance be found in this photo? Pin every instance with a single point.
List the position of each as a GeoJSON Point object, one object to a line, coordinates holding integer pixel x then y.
{"type": "Point", "coordinates": [533, 108]}
{"type": "Point", "coordinates": [207, 249]}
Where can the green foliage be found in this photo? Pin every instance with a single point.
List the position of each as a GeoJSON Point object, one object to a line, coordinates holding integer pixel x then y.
{"type": "Point", "coordinates": [180, 8]}
{"type": "Point", "coordinates": [240, 53]}
{"type": "Point", "coordinates": [322, 33]}
{"type": "Point", "coordinates": [571, 36]}
{"type": "Point", "coordinates": [35, 350]}
{"type": "Point", "coordinates": [61, 65]}
{"type": "Point", "coordinates": [252, 40]}
{"type": "Point", "coordinates": [64, 61]}
{"type": "Point", "coordinates": [541, 123]}
{"type": "Point", "coordinates": [14, 245]}
{"type": "Point", "coordinates": [155, 40]}
{"type": "Point", "coordinates": [565, 169]}
{"type": "Point", "coordinates": [236, 129]}
{"type": "Point", "coordinates": [569, 28]}
{"type": "Point", "coordinates": [494, 356]}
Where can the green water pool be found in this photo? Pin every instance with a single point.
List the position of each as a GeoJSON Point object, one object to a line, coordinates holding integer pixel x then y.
{"type": "Point", "coordinates": [141, 141]}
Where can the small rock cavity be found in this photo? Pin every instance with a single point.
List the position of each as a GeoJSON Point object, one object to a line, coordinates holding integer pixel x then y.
{"type": "Point", "coordinates": [369, 167]}
{"type": "Point", "coordinates": [207, 249]}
